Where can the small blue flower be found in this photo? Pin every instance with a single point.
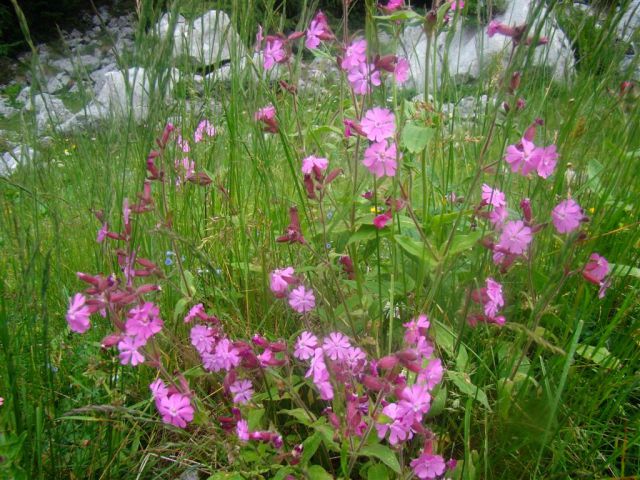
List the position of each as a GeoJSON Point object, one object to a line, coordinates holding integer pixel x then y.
{"type": "Point", "coordinates": [330, 214]}
{"type": "Point", "coordinates": [168, 262]}
{"type": "Point", "coordinates": [218, 271]}
{"type": "Point", "coordinates": [328, 246]}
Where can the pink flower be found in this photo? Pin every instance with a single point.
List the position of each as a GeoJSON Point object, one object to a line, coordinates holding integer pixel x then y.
{"type": "Point", "coordinates": [305, 346]}
{"type": "Point", "coordinates": [78, 314]}
{"type": "Point", "coordinates": [318, 371]}
{"type": "Point", "coordinates": [416, 398]}
{"type": "Point", "coordinates": [318, 30]}
{"type": "Point", "coordinates": [363, 77]}
{"type": "Point", "coordinates": [497, 199]}
{"type": "Point", "coordinates": [280, 279]}
{"type": "Point", "coordinates": [455, 5]}
{"type": "Point", "coordinates": [204, 127]}
{"type": "Point", "coordinates": [129, 353]}
{"type": "Point", "coordinates": [545, 160]}
{"type": "Point", "coordinates": [596, 269]}
{"type": "Point", "coordinates": [380, 159]}
{"type": "Point", "coordinates": [401, 71]}
{"type": "Point", "coordinates": [225, 357]}
{"type": "Point", "coordinates": [378, 124]}
{"type": "Point", "coordinates": [311, 162]}
{"type": "Point", "coordinates": [380, 221]}
{"type": "Point", "coordinates": [355, 55]}
{"type": "Point", "coordinates": [144, 321]}
{"type": "Point", "coordinates": [431, 374]}
{"type": "Point", "coordinates": [267, 115]}
{"type": "Point", "coordinates": [102, 233]}
{"type": "Point", "coordinates": [523, 157]}
{"type": "Point", "coordinates": [202, 338]}
{"type": "Point", "coordinates": [566, 216]}
{"type": "Point", "coordinates": [415, 329]}
{"type": "Point", "coordinates": [274, 52]}
{"type": "Point", "coordinates": [242, 429]}
{"type": "Point", "coordinates": [183, 144]}
{"type": "Point", "coordinates": [302, 300]}
{"type": "Point", "coordinates": [515, 237]}
{"type": "Point", "coordinates": [176, 409]}
{"type": "Point", "coordinates": [242, 391]}
{"type": "Point", "coordinates": [399, 428]}
{"type": "Point", "coordinates": [393, 5]}
{"type": "Point", "coordinates": [428, 467]}
{"type": "Point", "coordinates": [196, 311]}
{"type": "Point", "coordinates": [336, 346]}
{"type": "Point", "coordinates": [158, 389]}
{"type": "Point", "coordinates": [495, 300]}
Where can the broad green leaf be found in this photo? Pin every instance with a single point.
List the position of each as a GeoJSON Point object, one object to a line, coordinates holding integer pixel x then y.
{"type": "Point", "coordinates": [623, 270]}
{"type": "Point", "coordinates": [462, 242]}
{"type": "Point", "coordinates": [253, 418]}
{"type": "Point", "coordinates": [181, 306]}
{"type": "Point", "coordinates": [600, 356]}
{"type": "Point", "coordinates": [400, 15]}
{"type": "Point", "coordinates": [310, 445]}
{"type": "Point", "coordinates": [461, 380]}
{"type": "Point", "coordinates": [382, 453]}
{"type": "Point", "coordinates": [444, 337]}
{"type": "Point", "coordinates": [364, 234]}
{"type": "Point", "coordinates": [415, 137]}
{"type": "Point", "coordinates": [417, 249]}
{"type": "Point", "coordinates": [316, 472]}
{"type": "Point", "coordinates": [438, 402]}
{"type": "Point", "coordinates": [299, 414]}
{"type": "Point", "coordinates": [377, 472]}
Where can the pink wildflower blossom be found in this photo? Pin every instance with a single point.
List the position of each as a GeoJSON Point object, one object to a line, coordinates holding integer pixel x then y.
{"type": "Point", "coordinates": [202, 338]}
{"type": "Point", "coordinates": [196, 311]}
{"type": "Point", "coordinates": [225, 357]}
{"type": "Point", "coordinates": [355, 55]}
{"type": "Point", "coordinates": [456, 5]}
{"type": "Point", "coordinates": [522, 157]}
{"type": "Point", "coordinates": [393, 5]}
{"type": "Point", "coordinates": [242, 391]}
{"type": "Point", "coordinates": [176, 409]}
{"type": "Point", "coordinates": [566, 216]}
{"type": "Point", "coordinates": [158, 389]}
{"type": "Point", "coordinates": [267, 115]}
{"type": "Point", "coordinates": [363, 77]}
{"type": "Point", "coordinates": [129, 353]}
{"type": "Point", "coordinates": [416, 398]}
{"type": "Point", "coordinates": [78, 314]}
{"type": "Point", "coordinates": [204, 127]}
{"type": "Point", "coordinates": [401, 71]}
{"type": "Point", "coordinates": [380, 159]}
{"type": "Point", "coordinates": [546, 159]}
{"type": "Point", "coordinates": [274, 52]}
{"type": "Point", "coordinates": [302, 300]}
{"type": "Point", "coordinates": [432, 373]}
{"type": "Point", "coordinates": [183, 143]}
{"type": "Point", "coordinates": [102, 233]}
{"type": "Point", "coordinates": [380, 221]}
{"type": "Point", "coordinates": [378, 124]}
{"type": "Point", "coordinates": [399, 429]}
{"type": "Point", "coordinates": [515, 237]}
{"type": "Point", "coordinates": [428, 467]}
{"type": "Point", "coordinates": [305, 346]}
{"type": "Point", "coordinates": [311, 162]}
{"type": "Point", "coordinates": [497, 199]}
{"type": "Point", "coordinates": [596, 269]}
{"type": "Point", "coordinates": [318, 31]}
{"type": "Point", "coordinates": [416, 328]}
{"type": "Point", "coordinates": [242, 429]}
{"type": "Point", "coordinates": [320, 375]}
{"type": "Point", "coordinates": [495, 301]}
{"type": "Point", "coordinates": [336, 346]}
{"type": "Point", "coordinates": [144, 321]}
{"type": "Point", "coordinates": [280, 279]}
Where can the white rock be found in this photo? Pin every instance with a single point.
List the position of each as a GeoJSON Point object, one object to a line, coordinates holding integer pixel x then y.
{"type": "Point", "coordinates": [24, 95]}
{"type": "Point", "coordinates": [210, 39]}
{"type": "Point", "coordinates": [630, 21]}
{"type": "Point", "coordinates": [118, 94]}
{"type": "Point", "coordinates": [6, 110]}
{"type": "Point", "coordinates": [87, 116]}
{"type": "Point", "coordinates": [10, 160]}
{"type": "Point", "coordinates": [98, 75]}
{"type": "Point", "coordinates": [471, 49]}
{"type": "Point", "coordinates": [63, 64]}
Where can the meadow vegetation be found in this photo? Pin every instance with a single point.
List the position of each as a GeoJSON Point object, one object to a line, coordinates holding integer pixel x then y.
{"type": "Point", "coordinates": [331, 280]}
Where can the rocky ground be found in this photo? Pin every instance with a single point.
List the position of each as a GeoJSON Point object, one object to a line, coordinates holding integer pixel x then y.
{"type": "Point", "coordinates": [89, 76]}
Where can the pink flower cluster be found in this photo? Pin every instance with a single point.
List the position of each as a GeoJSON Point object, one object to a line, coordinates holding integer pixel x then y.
{"type": "Point", "coordinates": [318, 31]}
{"type": "Point", "coordinates": [315, 180]}
{"type": "Point", "coordinates": [490, 297]}
{"type": "Point", "coordinates": [525, 157]}
{"type": "Point", "coordinates": [596, 271]}
{"type": "Point", "coordinates": [284, 283]}
{"type": "Point", "coordinates": [378, 126]}
{"type": "Point", "coordinates": [174, 407]}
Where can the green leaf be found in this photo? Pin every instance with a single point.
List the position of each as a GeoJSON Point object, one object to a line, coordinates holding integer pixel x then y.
{"type": "Point", "coordinates": [460, 243]}
{"type": "Point", "coordinates": [181, 306]}
{"type": "Point", "coordinates": [299, 414]}
{"type": "Point", "coordinates": [417, 249]}
{"type": "Point", "coordinates": [415, 137]}
{"type": "Point", "coordinates": [254, 417]}
{"type": "Point", "coordinates": [619, 270]}
{"type": "Point", "coordinates": [310, 446]}
{"type": "Point", "coordinates": [382, 453]}
{"type": "Point", "coordinates": [377, 472]}
{"type": "Point", "coordinates": [444, 337]}
{"type": "Point", "coordinates": [316, 472]}
{"type": "Point", "coordinates": [400, 15]}
{"type": "Point", "coordinates": [363, 234]}
{"type": "Point", "coordinates": [462, 381]}
{"type": "Point", "coordinates": [600, 356]}
{"type": "Point", "coordinates": [438, 402]}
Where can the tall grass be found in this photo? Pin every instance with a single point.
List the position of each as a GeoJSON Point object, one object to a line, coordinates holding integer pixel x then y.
{"type": "Point", "coordinates": [560, 379]}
